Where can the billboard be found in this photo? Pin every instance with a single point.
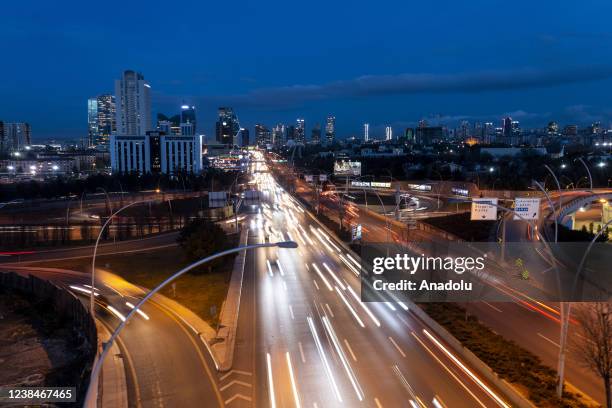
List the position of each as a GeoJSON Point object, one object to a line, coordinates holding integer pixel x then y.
{"type": "Point", "coordinates": [482, 210]}
{"type": "Point", "coordinates": [420, 187]}
{"type": "Point", "coordinates": [322, 177]}
{"type": "Point", "coordinates": [347, 168]}
{"type": "Point", "coordinates": [526, 209]}
{"type": "Point", "coordinates": [308, 178]}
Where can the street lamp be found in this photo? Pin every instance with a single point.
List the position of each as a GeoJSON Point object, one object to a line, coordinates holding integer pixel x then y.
{"type": "Point", "coordinates": [93, 259]}
{"type": "Point", "coordinates": [90, 398]}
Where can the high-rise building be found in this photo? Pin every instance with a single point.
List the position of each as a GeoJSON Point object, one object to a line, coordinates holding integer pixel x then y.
{"type": "Point", "coordinates": [263, 136]}
{"type": "Point", "coordinates": [366, 132]}
{"type": "Point", "coordinates": [300, 131]}
{"type": "Point", "coordinates": [278, 134]}
{"type": "Point", "coordinates": [427, 135]}
{"type": "Point", "coordinates": [330, 129]}
{"type": "Point", "coordinates": [409, 135]}
{"type": "Point", "coordinates": [133, 104]}
{"type": "Point", "coordinates": [101, 120]}
{"type": "Point", "coordinates": [227, 126]}
{"type": "Point", "coordinates": [245, 136]}
{"type": "Point", "coordinates": [388, 133]}
{"type": "Point", "coordinates": [553, 128]}
{"type": "Point", "coordinates": [315, 135]}
{"type": "Point", "coordinates": [188, 115]}
{"type": "Point", "coordinates": [507, 127]}
{"type": "Point", "coordinates": [180, 154]}
{"type": "Point", "coordinates": [489, 132]}
{"type": "Point", "coordinates": [15, 136]}
{"type": "Point", "coordinates": [291, 133]}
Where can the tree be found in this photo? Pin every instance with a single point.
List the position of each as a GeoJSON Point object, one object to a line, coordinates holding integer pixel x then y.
{"type": "Point", "coordinates": [201, 238]}
{"type": "Point", "coordinates": [594, 346]}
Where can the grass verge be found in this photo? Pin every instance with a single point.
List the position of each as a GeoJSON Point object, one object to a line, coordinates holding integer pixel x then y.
{"type": "Point", "coordinates": [511, 362]}
{"type": "Point", "coordinates": [203, 293]}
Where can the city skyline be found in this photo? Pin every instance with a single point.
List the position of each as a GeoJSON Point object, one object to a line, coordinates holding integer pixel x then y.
{"type": "Point", "coordinates": [482, 77]}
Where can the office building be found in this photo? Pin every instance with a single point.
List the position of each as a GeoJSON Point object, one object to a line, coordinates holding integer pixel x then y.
{"type": "Point", "coordinates": [263, 136]}
{"type": "Point", "coordinates": [330, 129]}
{"type": "Point", "coordinates": [388, 133]}
{"type": "Point", "coordinates": [133, 105]}
{"type": "Point", "coordinates": [101, 120]}
{"type": "Point", "coordinates": [278, 134]}
{"type": "Point", "coordinates": [188, 115]}
{"type": "Point", "coordinates": [179, 154]}
{"type": "Point", "coordinates": [300, 131]}
{"type": "Point", "coordinates": [507, 127]}
{"type": "Point", "coordinates": [291, 133]}
{"type": "Point", "coordinates": [15, 136]}
{"type": "Point", "coordinates": [130, 154]}
{"type": "Point", "coordinates": [245, 137]}
{"type": "Point", "coordinates": [227, 126]}
{"type": "Point", "coordinates": [366, 132]}
{"type": "Point", "coordinates": [428, 135]}
{"type": "Point", "coordinates": [315, 134]}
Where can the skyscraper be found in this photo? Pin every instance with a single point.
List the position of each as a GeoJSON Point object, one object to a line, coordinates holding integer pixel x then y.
{"type": "Point", "coordinates": [507, 127]}
{"type": "Point", "coordinates": [388, 133]}
{"type": "Point", "coordinates": [227, 126]}
{"type": "Point", "coordinates": [315, 135]}
{"type": "Point", "coordinates": [101, 120]}
{"type": "Point", "coordinates": [245, 136]}
{"type": "Point", "coordinates": [188, 115]}
{"type": "Point", "coordinates": [366, 132]}
{"type": "Point", "coordinates": [330, 129]}
{"type": "Point", "coordinates": [15, 136]}
{"type": "Point", "coordinates": [263, 136]}
{"type": "Point", "coordinates": [278, 134]}
{"type": "Point", "coordinates": [133, 104]}
{"type": "Point", "coordinates": [300, 131]}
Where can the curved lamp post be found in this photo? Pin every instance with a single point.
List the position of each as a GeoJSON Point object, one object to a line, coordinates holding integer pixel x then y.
{"type": "Point", "coordinates": [95, 372]}
{"type": "Point", "coordinates": [588, 171]}
{"type": "Point", "coordinates": [93, 259]}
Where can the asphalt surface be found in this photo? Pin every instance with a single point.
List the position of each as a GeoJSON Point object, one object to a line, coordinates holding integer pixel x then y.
{"type": "Point", "coordinates": [301, 344]}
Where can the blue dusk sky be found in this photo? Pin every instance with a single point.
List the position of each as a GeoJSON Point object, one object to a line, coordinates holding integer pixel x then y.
{"type": "Point", "coordinates": [273, 61]}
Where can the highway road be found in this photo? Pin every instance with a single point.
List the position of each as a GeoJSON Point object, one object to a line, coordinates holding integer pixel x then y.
{"type": "Point", "coordinates": [166, 363]}
{"type": "Point", "coordinates": [533, 325]}
{"type": "Point", "coordinates": [305, 339]}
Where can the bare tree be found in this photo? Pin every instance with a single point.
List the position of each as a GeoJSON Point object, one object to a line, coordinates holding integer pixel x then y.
{"type": "Point", "coordinates": [594, 346]}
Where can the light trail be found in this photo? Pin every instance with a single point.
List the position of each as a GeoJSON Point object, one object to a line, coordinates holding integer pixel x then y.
{"type": "Point", "coordinates": [269, 268]}
{"type": "Point", "coordinates": [116, 313]}
{"type": "Point", "coordinates": [328, 371]}
{"type": "Point", "coordinates": [323, 278]}
{"type": "Point", "coordinates": [355, 315]}
{"type": "Point", "coordinates": [334, 276]}
{"type": "Point", "coordinates": [477, 380]}
{"type": "Point", "coordinates": [364, 307]}
{"type": "Point", "coordinates": [296, 396]}
{"type": "Point", "coordinates": [140, 312]}
{"type": "Point", "coordinates": [345, 363]}
{"type": "Point", "coordinates": [280, 268]}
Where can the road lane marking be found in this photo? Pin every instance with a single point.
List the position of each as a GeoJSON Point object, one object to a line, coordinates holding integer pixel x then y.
{"type": "Point", "coordinates": [448, 370]}
{"type": "Point", "coordinates": [315, 283]}
{"type": "Point", "coordinates": [377, 402]}
{"type": "Point", "coordinates": [238, 382]}
{"type": "Point", "coordinates": [270, 381]}
{"type": "Point", "coordinates": [397, 347]}
{"type": "Point", "coordinates": [291, 312]}
{"type": "Point", "coordinates": [329, 310]}
{"type": "Point", "coordinates": [236, 397]}
{"type": "Point", "coordinates": [492, 307]}
{"type": "Point", "coordinates": [302, 352]}
{"type": "Point", "coordinates": [348, 346]}
{"type": "Point", "coordinates": [296, 396]}
{"type": "Point", "coordinates": [549, 340]}
{"type": "Point", "coordinates": [224, 376]}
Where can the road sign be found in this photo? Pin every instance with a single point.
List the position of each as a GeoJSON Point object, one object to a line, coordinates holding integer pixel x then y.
{"type": "Point", "coordinates": [482, 210]}
{"type": "Point", "coordinates": [527, 208]}
{"type": "Point", "coordinates": [308, 178]}
{"type": "Point", "coordinates": [356, 232]}
{"type": "Point", "coordinates": [322, 177]}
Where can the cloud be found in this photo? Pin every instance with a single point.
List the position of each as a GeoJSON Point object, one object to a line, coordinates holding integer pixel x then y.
{"type": "Point", "coordinates": [414, 83]}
